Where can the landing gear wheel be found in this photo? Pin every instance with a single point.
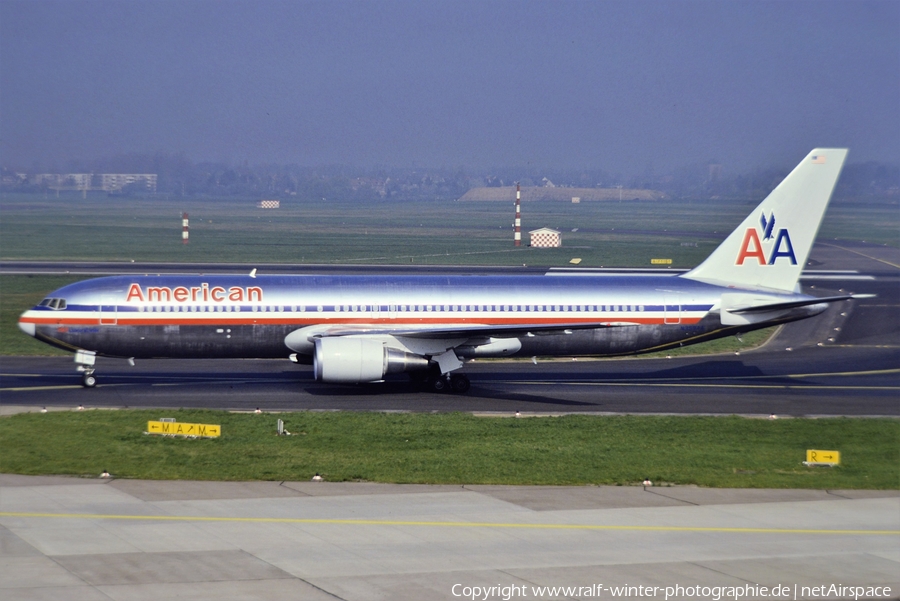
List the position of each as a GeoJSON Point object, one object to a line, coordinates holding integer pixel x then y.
{"type": "Point", "coordinates": [439, 384]}
{"type": "Point", "coordinates": [88, 380]}
{"type": "Point", "coordinates": [459, 383]}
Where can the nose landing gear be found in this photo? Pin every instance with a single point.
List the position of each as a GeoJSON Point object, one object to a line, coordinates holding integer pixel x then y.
{"type": "Point", "coordinates": [88, 380]}
{"type": "Point", "coordinates": [85, 361]}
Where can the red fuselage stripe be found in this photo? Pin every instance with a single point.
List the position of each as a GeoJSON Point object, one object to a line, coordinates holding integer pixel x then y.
{"type": "Point", "coordinates": [230, 321]}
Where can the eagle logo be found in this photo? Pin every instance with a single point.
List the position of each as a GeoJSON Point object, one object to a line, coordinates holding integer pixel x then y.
{"type": "Point", "coordinates": [767, 225]}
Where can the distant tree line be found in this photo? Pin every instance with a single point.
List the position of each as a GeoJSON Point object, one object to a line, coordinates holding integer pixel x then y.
{"type": "Point", "coordinates": [179, 176]}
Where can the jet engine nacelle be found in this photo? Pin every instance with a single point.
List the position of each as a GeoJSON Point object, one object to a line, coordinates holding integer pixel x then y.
{"type": "Point", "coordinates": [350, 360]}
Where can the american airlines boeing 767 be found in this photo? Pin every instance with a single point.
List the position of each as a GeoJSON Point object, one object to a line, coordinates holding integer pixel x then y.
{"type": "Point", "coordinates": [356, 329]}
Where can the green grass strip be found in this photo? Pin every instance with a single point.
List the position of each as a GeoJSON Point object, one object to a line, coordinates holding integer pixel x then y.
{"type": "Point", "coordinates": [459, 448]}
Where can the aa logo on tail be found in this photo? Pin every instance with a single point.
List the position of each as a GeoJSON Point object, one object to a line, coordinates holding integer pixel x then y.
{"type": "Point", "coordinates": [754, 248]}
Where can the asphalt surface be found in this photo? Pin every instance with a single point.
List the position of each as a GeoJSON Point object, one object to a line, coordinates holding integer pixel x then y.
{"type": "Point", "coordinates": [843, 362]}
{"type": "Point", "coordinates": [810, 381]}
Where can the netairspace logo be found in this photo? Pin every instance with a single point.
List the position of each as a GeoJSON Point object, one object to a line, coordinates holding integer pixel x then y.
{"type": "Point", "coordinates": [713, 593]}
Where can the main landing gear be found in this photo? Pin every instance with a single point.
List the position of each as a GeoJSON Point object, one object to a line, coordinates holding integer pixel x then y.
{"type": "Point", "coordinates": [435, 381]}
{"type": "Point", "coordinates": [441, 379]}
{"type": "Point", "coordinates": [457, 383]}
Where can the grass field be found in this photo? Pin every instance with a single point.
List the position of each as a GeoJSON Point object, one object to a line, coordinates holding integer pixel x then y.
{"type": "Point", "coordinates": [460, 448]}
{"type": "Point", "coordinates": [336, 232]}
{"type": "Point", "coordinates": [626, 234]}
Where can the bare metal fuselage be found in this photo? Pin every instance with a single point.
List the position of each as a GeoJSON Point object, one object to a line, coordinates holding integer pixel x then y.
{"type": "Point", "coordinates": [240, 316]}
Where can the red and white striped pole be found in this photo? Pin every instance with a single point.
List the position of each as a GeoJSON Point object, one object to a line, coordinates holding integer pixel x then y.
{"type": "Point", "coordinates": [184, 228]}
{"type": "Point", "coordinates": [518, 235]}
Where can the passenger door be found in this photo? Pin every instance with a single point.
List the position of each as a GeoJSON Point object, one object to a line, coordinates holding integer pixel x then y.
{"type": "Point", "coordinates": [672, 308]}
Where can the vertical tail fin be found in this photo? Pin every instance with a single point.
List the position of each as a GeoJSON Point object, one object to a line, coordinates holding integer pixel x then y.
{"type": "Point", "coordinates": [771, 246]}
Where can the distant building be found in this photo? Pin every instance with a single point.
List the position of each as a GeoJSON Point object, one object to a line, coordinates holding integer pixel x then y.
{"type": "Point", "coordinates": [545, 238]}
{"type": "Point", "coordinates": [108, 182]}
{"type": "Point", "coordinates": [11, 179]}
{"type": "Point", "coordinates": [115, 182]}
{"type": "Point", "coordinates": [269, 204]}
{"type": "Point", "coordinates": [64, 181]}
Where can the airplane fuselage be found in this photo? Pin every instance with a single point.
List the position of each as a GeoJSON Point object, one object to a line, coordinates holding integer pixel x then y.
{"type": "Point", "coordinates": [240, 316]}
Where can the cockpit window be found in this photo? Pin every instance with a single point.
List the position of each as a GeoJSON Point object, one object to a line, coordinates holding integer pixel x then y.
{"type": "Point", "coordinates": [57, 304]}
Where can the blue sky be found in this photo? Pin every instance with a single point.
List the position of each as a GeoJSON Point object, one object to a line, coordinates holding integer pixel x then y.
{"type": "Point", "coordinates": [620, 86]}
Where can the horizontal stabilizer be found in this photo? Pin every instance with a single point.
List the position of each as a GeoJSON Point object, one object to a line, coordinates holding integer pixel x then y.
{"type": "Point", "coordinates": [795, 304]}
{"type": "Point", "coordinates": [744, 308]}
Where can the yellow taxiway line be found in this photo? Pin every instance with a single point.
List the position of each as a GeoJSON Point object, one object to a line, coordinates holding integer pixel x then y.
{"type": "Point", "coordinates": [350, 522]}
{"type": "Point", "coordinates": [856, 252]}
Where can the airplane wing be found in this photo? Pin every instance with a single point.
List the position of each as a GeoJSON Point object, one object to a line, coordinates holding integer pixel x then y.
{"type": "Point", "coordinates": [465, 330]}
{"type": "Point", "coordinates": [432, 339]}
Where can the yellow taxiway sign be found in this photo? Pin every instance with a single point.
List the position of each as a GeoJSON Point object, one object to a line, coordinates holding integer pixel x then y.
{"type": "Point", "coordinates": [184, 429]}
{"type": "Point", "coordinates": [817, 457]}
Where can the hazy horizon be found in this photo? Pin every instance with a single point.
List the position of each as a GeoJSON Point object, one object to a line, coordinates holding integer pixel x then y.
{"type": "Point", "coordinates": [630, 87]}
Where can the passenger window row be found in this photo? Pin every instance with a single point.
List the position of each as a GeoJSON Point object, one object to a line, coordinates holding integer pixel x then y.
{"type": "Point", "coordinates": [376, 308]}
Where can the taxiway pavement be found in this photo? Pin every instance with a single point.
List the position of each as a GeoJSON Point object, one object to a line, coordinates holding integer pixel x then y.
{"type": "Point", "coordinates": [85, 540]}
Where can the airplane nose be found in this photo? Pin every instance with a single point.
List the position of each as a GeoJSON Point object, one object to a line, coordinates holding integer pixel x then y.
{"type": "Point", "coordinates": [28, 328]}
